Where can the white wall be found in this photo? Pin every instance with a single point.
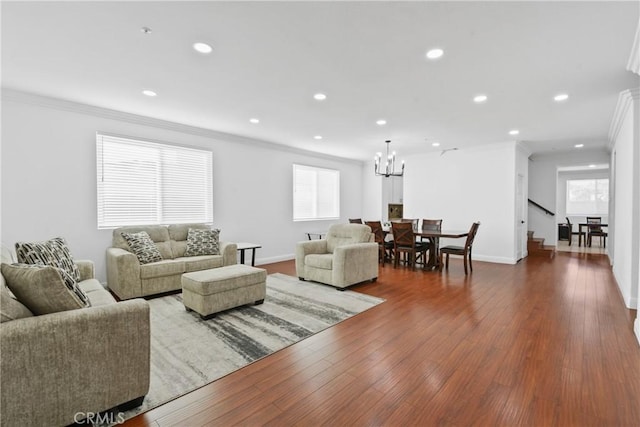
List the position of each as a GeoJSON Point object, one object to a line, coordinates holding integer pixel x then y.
{"type": "Point", "coordinates": [371, 195]}
{"type": "Point", "coordinates": [626, 238]}
{"type": "Point", "coordinates": [543, 171]}
{"type": "Point", "coordinates": [475, 184]}
{"type": "Point", "coordinates": [49, 179]}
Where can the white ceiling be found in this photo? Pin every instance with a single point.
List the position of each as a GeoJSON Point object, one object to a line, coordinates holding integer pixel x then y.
{"type": "Point", "coordinates": [270, 58]}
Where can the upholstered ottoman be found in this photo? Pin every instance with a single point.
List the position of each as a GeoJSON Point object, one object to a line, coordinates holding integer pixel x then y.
{"type": "Point", "coordinates": [208, 292]}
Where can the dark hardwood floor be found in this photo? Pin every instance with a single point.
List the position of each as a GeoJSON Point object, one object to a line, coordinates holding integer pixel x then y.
{"type": "Point", "coordinates": [547, 342]}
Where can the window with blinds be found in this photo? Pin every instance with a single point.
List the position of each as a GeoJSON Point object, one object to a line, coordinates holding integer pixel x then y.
{"type": "Point", "coordinates": [316, 193]}
{"type": "Point", "coordinates": [142, 183]}
{"type": "Point", "coordinates": [587, 196]}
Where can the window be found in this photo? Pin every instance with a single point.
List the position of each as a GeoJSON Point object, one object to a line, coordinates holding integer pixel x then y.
{"type": "Point", "coordinates": [141, 182]}
{"type": "Point", "coordinates": [316, 193]}
{"type": "Point", "coordinates": [587, 196]}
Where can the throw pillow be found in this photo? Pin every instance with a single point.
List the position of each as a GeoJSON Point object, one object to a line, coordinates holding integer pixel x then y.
{"type": "Point", "coordinates": [42, 289]}
{"type": "Point", "coordinates": [203, 241]}
{"type": "Point", "coordinates": [53, 252]}
{"type": "Point", "coordinates": [142, 245]}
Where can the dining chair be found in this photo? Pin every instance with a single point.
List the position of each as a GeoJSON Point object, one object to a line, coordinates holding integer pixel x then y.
{"type": "Point", "coordinates": [355, 220]}
{"type": "Point", "coordinates": [594, 229]}
{"type": "Point", "coordinates": [404, 241]}
{"type": "Point", "coordinates": [464, 251]}
{"type": "Point", "coordinates": [431, 225]}
{"type": "Point", "coordinates": [580, 234]}
{"type": "Point", "coordinates": [385, 247]}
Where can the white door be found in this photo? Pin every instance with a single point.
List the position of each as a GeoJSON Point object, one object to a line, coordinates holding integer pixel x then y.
{"type": "Point", "coordinates": [521, 229]}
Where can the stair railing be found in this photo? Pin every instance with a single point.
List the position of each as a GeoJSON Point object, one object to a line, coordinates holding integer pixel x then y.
{"type": "Point", "coordinates": [547, 211]}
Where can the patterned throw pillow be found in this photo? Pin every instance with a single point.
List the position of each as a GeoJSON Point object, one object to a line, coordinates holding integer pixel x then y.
{"type": "Point", "coordinates": [53, 252]}
{"type": "Point", "coordinates": [142, 245]}
{"type": "Point", "coordinates": [203, 242]}
{"type": "Point", "coordinates": [41, 288]}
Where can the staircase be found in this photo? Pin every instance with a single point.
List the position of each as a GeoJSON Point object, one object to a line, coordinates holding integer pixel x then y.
{"type": "Point", "coordinates": [536, 247]}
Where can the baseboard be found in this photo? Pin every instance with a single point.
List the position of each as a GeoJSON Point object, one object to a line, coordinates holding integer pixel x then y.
{"type": "Point", "coordinates": [494, 259]}
{"type": "Point", "coordinates": [636, 328]}
{"type": "Point", "coordinates": [270, 260]}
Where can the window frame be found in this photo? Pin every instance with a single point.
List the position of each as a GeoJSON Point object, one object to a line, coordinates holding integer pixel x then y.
{"type": "Point", "coordinates": [335, 196]}
{"type": "Point", "coordinates": [598, 207]}
{"type": "Point", "coordinates": [168, 160]}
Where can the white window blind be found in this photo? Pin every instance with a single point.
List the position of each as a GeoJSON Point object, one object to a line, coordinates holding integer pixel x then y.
{"type": "Point", "coordinates": [141, 182]}
{"type": "Point", "coordinates": [587, 196]}
{"type": "Point", "coordinates": [316, 193]}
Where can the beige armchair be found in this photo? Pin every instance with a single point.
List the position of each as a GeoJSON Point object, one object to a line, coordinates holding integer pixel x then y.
{"type": "Point", "coordinates": [348, 255]}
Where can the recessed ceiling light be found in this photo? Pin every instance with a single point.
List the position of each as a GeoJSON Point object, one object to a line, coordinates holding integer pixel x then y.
{"type": "Point", "coordinates": [579, 145]}
{"type": "Point", "coordinates": [435, 144]}
{"type": "Point", "coordinates": [202, 47]}
{"type": "Point", "coordinates": [561, 97]}
{"type": "Point", "coordinates": [254, 121]}
{"type": "Point", "coordinates": [317, 137]}
{"type": "Point", "coordinates": [592, 166]}
{"type": "Point", "coordinates": [479, 99]}
{"type": "Point", "coordinates": [514, 132]}
{"type": "Point", "coordinates": [145, 30]}
{"type": "Point", "coordinates": [149, 92]}
{"type": "Point", "coordinates": [320, 96]}
{"type": "Point", "coordinates": [435, 53]}
{"type": "Point", "coordinates": [381, 122]}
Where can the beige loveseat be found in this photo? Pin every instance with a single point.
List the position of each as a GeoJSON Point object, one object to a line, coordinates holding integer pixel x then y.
{"type": "Point", "coordinates": [348, 255]}
{"type": "Point", "coordinates": [127, 278]}
{"type": "Point", "coordinates": [56, 368]}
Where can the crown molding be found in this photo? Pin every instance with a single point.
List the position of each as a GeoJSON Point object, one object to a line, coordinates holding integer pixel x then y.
{"type": "Point", "coordinates": [625, 100]}
{"type": "Point", "coordinates": [634, 59]}
{"type": "Point", "coordinates": [76, 107]}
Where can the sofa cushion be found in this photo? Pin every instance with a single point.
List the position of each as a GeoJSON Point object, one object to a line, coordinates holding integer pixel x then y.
{"type": "Point", "coordinates": [158, 233]}
{"type": "Point", "coordinates": [204, 262]}
{"type": "Point", "coordinates": [41, 288]}
{"type": "Point", "coordinates": [347, 234]}
{"type": "Point", "coordinates": [11, 308]}
{"type": "Point", "coordinates": [167, 267]}
{"type": "Point", "coordinates": [203, 242]}
{"type": "Point", "coordinates": [96, 293]}
{"type": "Point", "coordinates": [323, 261]}
{"type": "Point", "coordinates": [143, 247]}
{"type": "Point", "coordinates": [53, 252]}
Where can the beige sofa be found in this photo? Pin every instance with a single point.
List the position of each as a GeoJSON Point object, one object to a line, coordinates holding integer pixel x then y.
{"type": "Point", "coordinates": [55, 368]}
{"type": "Point", "coordinates": [348, 255]}
{"type": "Point", "coordinates": [127, 278]}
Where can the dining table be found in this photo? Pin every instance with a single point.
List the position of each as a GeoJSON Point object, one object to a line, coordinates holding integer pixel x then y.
{"type": "Point", "coordinates": [434, 243]}
{"type": "Point", "coordinates": [434, 237]}
{"type": "Point", "coordinates": [587, 225]}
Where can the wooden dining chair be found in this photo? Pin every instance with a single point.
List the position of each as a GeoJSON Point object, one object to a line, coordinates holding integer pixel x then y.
{"type": "Point", "coordinates": [385, 247]}
{"type": "Point", "coordinates": [355, 220]}
{"type": "Point", "coordinates": [404, 241]}
{"type": "Point", "coordinates": [595, 230]}
{"type": "Point", "coordinates": [431, 225]}
{"type": "Point", "coordinates": [580, 234]}
{"type": "Point", "coordinates": [464, 251]}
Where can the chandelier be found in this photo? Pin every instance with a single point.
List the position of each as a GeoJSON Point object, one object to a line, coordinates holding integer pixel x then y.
{"type": "Point", "coordinates": [389, 167]}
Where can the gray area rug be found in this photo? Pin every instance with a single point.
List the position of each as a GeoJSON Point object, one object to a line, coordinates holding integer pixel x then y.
{"type": "Point", "coordinates": [188, 352]}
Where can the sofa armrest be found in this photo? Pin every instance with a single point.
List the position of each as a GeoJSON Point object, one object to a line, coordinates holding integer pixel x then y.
{"type": "Point", "coordinates": [355, 263]}
{"type": "Point", "coordinates": [86, 360]}
{"type": "Point", "coordinates": [87, 269]}
{"type": "Point", "coordinates": [305, 248]}
{"type": "Point", "coordinates": [123, 273]}
{"type": "Point", "coordinates": [229, 253]}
